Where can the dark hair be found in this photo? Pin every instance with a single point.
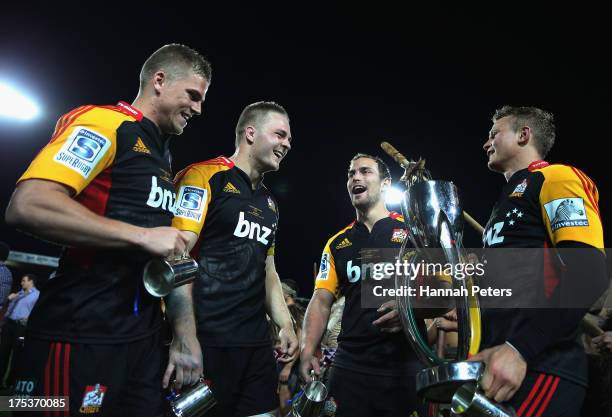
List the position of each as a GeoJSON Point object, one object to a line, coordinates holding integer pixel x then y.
{"type": "Point", "coordinates": [31, 277]}
{"type": "Point", "coordinates": [4, 251]}
{"type": "Point", "coordinates": [176, 60]}
{"type": "Point", "coordinates": [254, 114]}
{"type": "Point", "coordinates": [541, 122]}
{"type": "Point", "coordinates": [383, 168]}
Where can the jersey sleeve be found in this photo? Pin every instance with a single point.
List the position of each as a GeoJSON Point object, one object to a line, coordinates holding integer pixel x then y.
{"type": "Point", "coordinates": [327, 277]}
{"type": "Point", "coordinates": [193, 197]}
{"type": "Point", "coordinates": [83, 145]}
{"type": "Point", "coordinates": [569, 205]}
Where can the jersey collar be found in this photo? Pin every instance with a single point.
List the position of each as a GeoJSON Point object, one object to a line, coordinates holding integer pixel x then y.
{"type": "Point", "coordinates": [540, 163]}
{"type": "Point", "coordinates": [392, 215]}
{"type": "Point", "coordinates": [125, 108]}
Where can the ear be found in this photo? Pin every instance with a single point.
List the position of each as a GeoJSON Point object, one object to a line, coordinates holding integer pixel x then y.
{"type": "Point", "coordinates": [249, 134]}
{"type": "Point", "coordinates": [525, 135]}
{"type": "Point", "coordinates": [159, 81]}
{"type": "Point", "coordinates": [385, 185]}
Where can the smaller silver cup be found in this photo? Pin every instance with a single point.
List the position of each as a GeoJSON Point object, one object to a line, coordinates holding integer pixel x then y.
{"type": "Point", "coordinates": [470, 401]}
{"type": "Point", "coordinates": [194, 402]}
{"type": "Point", "coordinates": [310, 403]}
{"type": "Point", "coordinates": [161, 276]}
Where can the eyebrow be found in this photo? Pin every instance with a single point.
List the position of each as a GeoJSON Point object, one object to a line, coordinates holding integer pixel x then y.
{"type": "Point", "coordinates": [284, 134]}
{"type": "Point", "coordinates": [352, 171]}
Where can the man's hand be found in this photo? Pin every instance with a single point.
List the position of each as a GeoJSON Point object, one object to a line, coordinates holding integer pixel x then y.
{"type": "Point", "coordinates": [602, 343]}
{"type": "Point", "coordinates": [308, 362]}
{"type": "Point", "coordinates": [164, 241]}
{"type": "Point", "coordinates": [504, 373]}
{"type": "Point", "coordinates": [389, 322]}
{"type": "Point", "coordinates": [447, 322]}
{"type": "Point", "coordinates": [288, 344]}
{"type": "Point", "coordinates": [186, 361]}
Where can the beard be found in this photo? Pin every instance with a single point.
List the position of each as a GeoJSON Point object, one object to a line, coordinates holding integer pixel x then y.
{"type": "Point", "coordinates": [366, 203]}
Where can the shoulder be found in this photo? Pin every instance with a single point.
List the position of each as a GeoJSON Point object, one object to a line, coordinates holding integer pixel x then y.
{"type": "Point", "coordinates": [93, 120]}
{"type": "Point", "coordinates": [397, 218]}
{"type": "Point", "coordinates": [103, 115]}
{"type": "Point", "coordinates": [561, 172]}
{"type": "Point", "coordinates": [339, 235]}
{"type": "Point", "coordinates": [206, 169]}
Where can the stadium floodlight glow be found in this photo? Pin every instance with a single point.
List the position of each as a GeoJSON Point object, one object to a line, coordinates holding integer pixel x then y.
{"type": "Point", "coordinates": [14, 104]}
{"type": "Point", "coordinates": [393, 196]}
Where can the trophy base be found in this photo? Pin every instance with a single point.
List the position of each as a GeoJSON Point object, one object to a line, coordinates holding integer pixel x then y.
{"type": "Point", "coordinates": [439, 384]}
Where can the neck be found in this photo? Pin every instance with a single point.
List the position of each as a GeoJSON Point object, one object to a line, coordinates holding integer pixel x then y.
{"type": "Point", "coordinates": [369, 216]}
{"type": "Point", "coordinates": [520, 162]}
{"type": "Point", "coordinates": [144, 103]}
{"type": "Point", "coordinates": [245, 162]}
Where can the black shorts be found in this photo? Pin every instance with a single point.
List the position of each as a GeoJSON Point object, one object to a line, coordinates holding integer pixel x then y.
{"type": "Point", "coordinates": [543, 395]}
{"type": "Point", "coordinates": [101, 380]}
{"type": "Point", "coordinates": [243, 380]}
{"type": "Point", "coordinates": [364, 395]}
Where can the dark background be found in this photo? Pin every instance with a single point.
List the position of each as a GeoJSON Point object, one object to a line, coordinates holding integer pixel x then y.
{"type": "Point", "coordinates": [427, 80]}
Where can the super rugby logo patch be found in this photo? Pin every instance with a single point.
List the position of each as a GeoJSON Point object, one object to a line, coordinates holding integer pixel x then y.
{"type": "Point", "coordinates": [566, 212]}
{"type": "Point", "coordinates": [324, 268]}
{"type": "Point", "coordinates": [83, 150]}
{"type": "Point", "coordinates": [191, 203]}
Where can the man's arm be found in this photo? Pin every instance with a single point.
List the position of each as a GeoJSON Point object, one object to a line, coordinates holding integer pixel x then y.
{"type": "Point", "coordinates": [278, 311]}
{"type": "Point", "coordinates": [185, 352]}
{"type": "Point", "coordinates": [46, 209]}
{"type": "Point", "coordinates": [192, 239]}
{"type": "Point", "coordinates": [315, 323]}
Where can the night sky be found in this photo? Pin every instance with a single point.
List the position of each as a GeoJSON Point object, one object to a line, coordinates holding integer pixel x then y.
{"type": "Point", "coordinates": [427, 81]}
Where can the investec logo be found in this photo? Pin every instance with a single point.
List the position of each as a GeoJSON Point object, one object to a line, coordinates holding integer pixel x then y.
{"type": "Point", "coordinates": [252, 230]}
{"type": "Point", "coordinates": [159, 197]}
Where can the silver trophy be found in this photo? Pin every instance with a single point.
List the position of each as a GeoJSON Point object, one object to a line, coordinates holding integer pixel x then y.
{"type": "Point", "coordinates": [161, 276]}
{"type": "Point", "coordinates": [193, 402]}
{"type": "Point", "coordinates": [310, 401]}
{"type": "Point", "coordinates": [434, 220]}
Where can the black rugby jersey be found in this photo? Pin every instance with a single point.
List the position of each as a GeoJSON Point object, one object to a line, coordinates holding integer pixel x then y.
{"type": "Point", "coordinates": [361, 345]}
{"type": "Point", "coordinates": [236, 226]}
{"type": "Point", "coordinates": [118, 165]}
{"type": "Point", "coordinates": [539, 207]}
